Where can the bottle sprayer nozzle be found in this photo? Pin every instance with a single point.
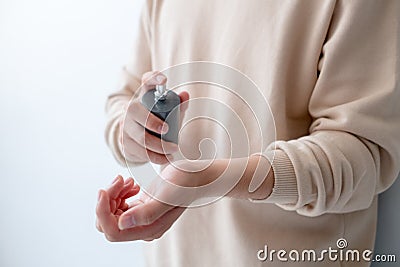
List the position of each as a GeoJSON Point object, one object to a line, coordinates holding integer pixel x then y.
{"type": "Point", "coordinates": [161, 92]}
{"type": "Point", "coordinates": [164, 104]}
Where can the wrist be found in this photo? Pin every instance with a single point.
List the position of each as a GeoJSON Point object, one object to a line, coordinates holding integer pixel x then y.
{"type": "Point", "coordinates": [196, 173]}
{"type": "Point", "coordinates": [257, 180]}
{"type": "Point", "coordinates": [241, 178]}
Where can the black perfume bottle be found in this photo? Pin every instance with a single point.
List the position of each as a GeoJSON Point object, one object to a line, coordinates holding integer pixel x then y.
{"type": "Point", "coordinates": [164, 104]}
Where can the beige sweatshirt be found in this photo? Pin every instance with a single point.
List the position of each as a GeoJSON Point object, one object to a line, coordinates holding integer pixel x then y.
{"type": "Point", "coordinates": [330, 71]}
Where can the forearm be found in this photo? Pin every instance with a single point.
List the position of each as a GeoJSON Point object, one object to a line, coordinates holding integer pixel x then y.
{"type": "Point", "coordinates": [259, 175]}
{"type": "Point", "coordinates": [254, 176]}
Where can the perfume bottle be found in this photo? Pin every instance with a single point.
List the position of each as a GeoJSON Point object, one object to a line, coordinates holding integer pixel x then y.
{"type": "Point", "coordinates": [165, 105]}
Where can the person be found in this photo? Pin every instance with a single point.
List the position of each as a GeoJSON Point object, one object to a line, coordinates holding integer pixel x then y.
{"type": "Point", "coordinates": [330, 72]}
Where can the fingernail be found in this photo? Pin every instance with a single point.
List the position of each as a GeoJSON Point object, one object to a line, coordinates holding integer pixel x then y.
{"type": "Point", "coordinates": [99, 196]}
{"type": "Point", "coordinates": [128, 181]}
{"type": "Point", "coordinates": [126, 222]}
{"type": "Point", "coordinates": [160, 78]}
{"type": "Point", "coordinates": [163, 128]}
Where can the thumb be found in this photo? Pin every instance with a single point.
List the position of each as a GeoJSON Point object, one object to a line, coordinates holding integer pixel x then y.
{"type": "Point", "coordinates": [143, 214]}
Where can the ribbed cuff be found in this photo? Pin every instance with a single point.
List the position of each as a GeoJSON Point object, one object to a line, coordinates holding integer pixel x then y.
{"type": "Point", "coordinates": [285, 184]}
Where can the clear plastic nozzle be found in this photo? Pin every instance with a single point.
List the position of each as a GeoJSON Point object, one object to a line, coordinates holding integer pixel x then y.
{"type": "Point", "coordinates": [161, 92]}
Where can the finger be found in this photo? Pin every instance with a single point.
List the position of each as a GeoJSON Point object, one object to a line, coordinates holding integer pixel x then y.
{"type": "Point", "coordinates": [132, 129]}
{"type": "Point", "coordinates": [124, 206]}
{"type": "Point", "coordinates": [113, 205]}
{"type": "Point", "coordinates": [98, 226]}
{"type": "Point", "coordinates": [116, 187]}
{"type": "Point", "coordinates": [128, 181]}
{"type": "Point", "coordinates": [184, 96]}
{"type": "Point", "coordinates": [119, 203]}
{"type": "Point", "coordinates": [144, 214]}
{"type": "Point", "coordinates": [133, 152]}
{"type": "Point", "coordinates": [115, 179]}
{"type": "Point", "coordinates": [103, 206]}
{"type": "Point", "coordinates": [119, 212]}
{"type": "Point", "coordinates": [106, 219]}
{"type": "Point", "coordinates": [157, 158]}
{"type": "Point", "coordinates": [157, 145]}
{"type": "Point", "coordinates": [141, 154]}
{"type": "Point", "coordinates": [151, 79]}
{"type": "Point", "coordinates": [128, 185]}
{"type": "Point", "coordinates": [152, 142]}
{"type": "Point", "coordinates": [138, 113]}
{"type": "Point", "coordinates": [132, 192]}
{"type": "Point", "coordinates": [129, 192]}
{"type": "Point", "coordinates": [153, 231]}
{"type": "Point", "coordinates": [129, 189]}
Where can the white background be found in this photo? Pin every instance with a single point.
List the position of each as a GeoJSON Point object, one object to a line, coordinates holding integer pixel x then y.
{"type": "Point", "coordinates": [59, 59]}
{"type": "Point", "coordinates": [58, 62]}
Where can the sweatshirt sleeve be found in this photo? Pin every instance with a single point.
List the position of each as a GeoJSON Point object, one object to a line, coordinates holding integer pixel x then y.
{"type": "Point", "coordinates": [352, 152]}
{"type": "Point", "coordinates": [138, 63]}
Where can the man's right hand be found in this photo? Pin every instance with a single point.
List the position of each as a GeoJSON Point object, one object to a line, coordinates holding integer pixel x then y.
{"type": "Point", "coordinates": [139, 145]}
